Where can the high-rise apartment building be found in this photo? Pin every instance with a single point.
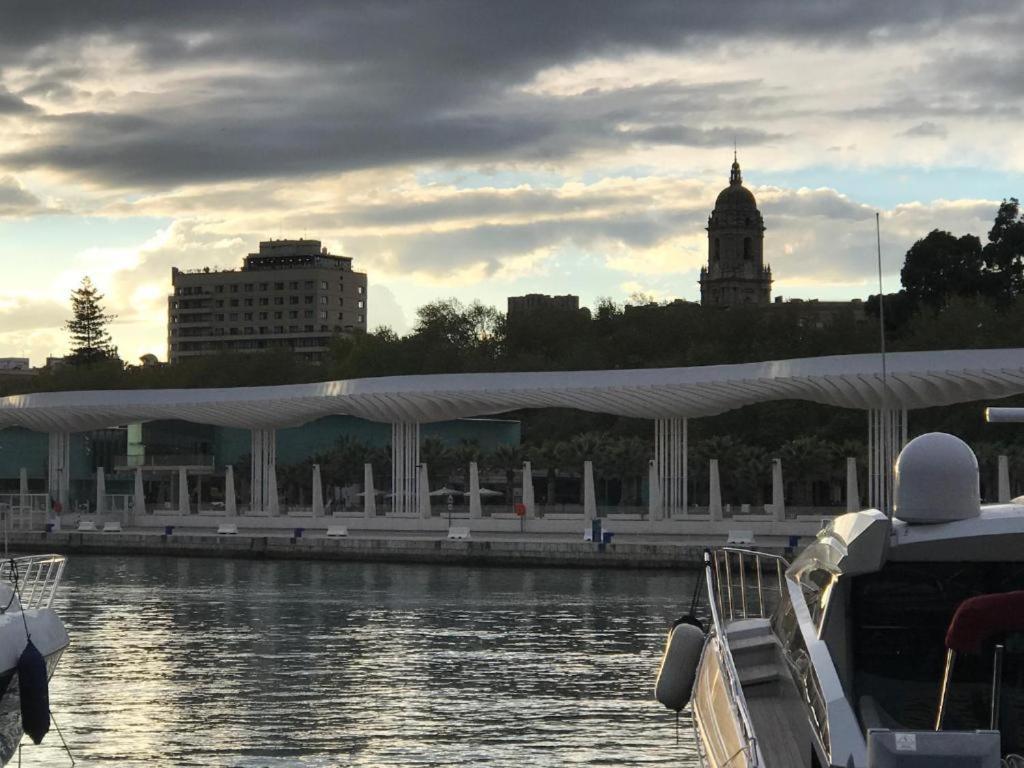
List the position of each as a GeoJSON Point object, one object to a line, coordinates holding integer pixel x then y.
{"type": "Point", "coordinates": [293, 294]}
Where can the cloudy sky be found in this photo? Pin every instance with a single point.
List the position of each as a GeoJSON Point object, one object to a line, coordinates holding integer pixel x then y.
{"type": "Point", "coordinates": [476, 149]}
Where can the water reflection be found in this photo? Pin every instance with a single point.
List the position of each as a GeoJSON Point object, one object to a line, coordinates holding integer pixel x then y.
{"type": "Point", "coordinates": [179, 662]}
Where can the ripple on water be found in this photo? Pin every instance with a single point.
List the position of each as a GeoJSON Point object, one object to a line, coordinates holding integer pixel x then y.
{"type": "Point", "coordinates": [179, 662]}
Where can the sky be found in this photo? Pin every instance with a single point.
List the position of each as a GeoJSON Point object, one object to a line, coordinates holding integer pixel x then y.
{"type": "Point", "coordinates": [459, 148]}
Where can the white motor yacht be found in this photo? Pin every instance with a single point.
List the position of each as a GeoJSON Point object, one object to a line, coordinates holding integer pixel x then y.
{"type": "Point", "coordinates": [888, 642]}
{"type": "Point", "coordinates": [27, 588]}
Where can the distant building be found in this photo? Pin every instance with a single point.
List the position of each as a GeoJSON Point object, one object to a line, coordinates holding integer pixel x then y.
{"type": "Point", "coordinates": [293, 294]}
{"type": "Point", "coordinates": [14, 364]}
{"type": "Point", "coordinates": [735, 273]}
{"type": "Point", "coordinates": [522, 306]}
{"type": "Point", "coordinates": [814, 313]}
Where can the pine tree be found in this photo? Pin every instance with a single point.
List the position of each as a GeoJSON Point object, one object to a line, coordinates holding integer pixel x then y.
{"type": "Point", "coordinates": [90, 342]}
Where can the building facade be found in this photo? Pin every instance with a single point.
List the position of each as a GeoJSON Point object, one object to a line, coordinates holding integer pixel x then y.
{"type": "Point", "coordinates": [736, 273]}
{"type": "Point", "coordinates": [293, 294]}
{"type": "Point", "coordinates": [520, 306]}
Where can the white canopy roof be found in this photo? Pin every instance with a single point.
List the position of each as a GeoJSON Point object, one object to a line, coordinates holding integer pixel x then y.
{"type": "Point", "coordinates": [915, 380]}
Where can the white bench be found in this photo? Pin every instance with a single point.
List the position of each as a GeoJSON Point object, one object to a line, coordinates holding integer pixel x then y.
{"type": "Point", "coordinates": [588, 534]}
{"type": "Point", "coordinates": [743, 538]}
{"type": "Point", "coordinates": [227, 529]}
{"type": "Point", "coordinates": [458, 532]}
{"type": "Point", "coordinates": [337, 531]}
{"type": "Point", "coordinates": [112, 526]}
{"type": "Point", "coordinates": [86, 525]}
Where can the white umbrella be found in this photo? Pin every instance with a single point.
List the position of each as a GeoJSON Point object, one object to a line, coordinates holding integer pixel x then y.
{"type": "Point", "coordinates": [101, 491]}
{"type": "Point", "coordinates": [489, 492]}
{"type": "Point", "coordinates": [230, 503]}
{"type": "Point", "coordinates": [318, 493]}
{"type": "Point", "coordinates": [446, 491]}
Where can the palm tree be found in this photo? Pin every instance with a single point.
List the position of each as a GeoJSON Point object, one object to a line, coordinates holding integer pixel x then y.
{"type": "Point", "coordinates": [439, 458]}
{"type": "Point", "coordinates": [508, 458]}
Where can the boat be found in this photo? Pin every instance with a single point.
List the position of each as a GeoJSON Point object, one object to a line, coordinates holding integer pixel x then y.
{"type": "Point", "coordinates": [27, 588]}
{"type": "Point", "coordinates": [890, 641]}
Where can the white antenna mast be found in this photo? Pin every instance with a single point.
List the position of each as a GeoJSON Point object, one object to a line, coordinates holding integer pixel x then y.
{"type": "Point", "coordinates": [885, 419]}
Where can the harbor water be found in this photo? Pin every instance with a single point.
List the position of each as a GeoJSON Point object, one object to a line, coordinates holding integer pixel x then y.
{"type": "Point", "coordinates": [206, 662]}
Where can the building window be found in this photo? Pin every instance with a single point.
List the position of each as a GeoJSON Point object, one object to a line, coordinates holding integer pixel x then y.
{"type": "Point", "coordinates": [308, 299]}
{"type": "Point", "coordinates": [309, 285]}
{"type": "Point", "coordinates": [359, 304]}
{"type": "Point", "coordinates": [264, 301]}
{"type": "Point", "coordinates": [263, 315]}
{"type": "Point", "coordinates": [293, 315]}
{"type": "Point", "coordinates": [746, 249]}
{"type": "Point", "coordinates": [248, 287]}
{"type": "Point", "coordinates": [278, 286]}
{"type": "Point", "coordinates": [234, 302]}
{"type": "Point", "coordinates": [323, 315]}
{"type": "Point", "coordinates": [264, 286]}
{"type": "Point", "coordinates": [247, 302]}
{"type": "Point", "coordinates": [308, 328]}
{"type": "Point", "coordinates": [218, 318]}
{"type": "Point", "coordinates": [323, 285]}
{"type": "Point", "coordinates": [294, 285]}
{"type": "Point", "coordinates": [219, 303]}
{"type": "Point", "coordinates": [293, 299]}
{"type": "Point", "coordinates": [278, 315]}
{"type": "Point", "coordinates": [293, 329]}
{"type": "Point", "coordinates": [233, 316]}
{"type": "Point", "coordinates": [278, 329]}
{"type": "Point", "coordinates": [718, 249]}
{"type": "Point", "coordinates": [359, 318]}
{"type": "Point", "coordinates": [340, 316]}
{"type": "Point", "coordinates": [359, 290]}
{"type": "Point", "coordinates": [323, 299]}
{"type": "Point", "coordinates": [233, 288]}
{"type": "Point", "coordinates": [279, 300]}
{"type": "Point", "coordinates": [247, 316]}
{"type": "Point", "coordinates": [218, 289]}
{"type": "Point", "coordinates": [308, 313]}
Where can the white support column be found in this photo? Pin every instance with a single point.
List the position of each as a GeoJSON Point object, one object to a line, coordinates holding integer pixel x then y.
{"type": "Point", "coordinates": [714, 491]}
{"type": "Point", "coordinates": [887, 434]}
{"type": "Point", "coordinates": [183, 505]}
{"type": "Point", "coordinates": [852, 492]}
{"type": "Point", "coordinates": [23, 487]}
{"type": "Point", "coordinates": [475, 507]}
{"type": "Point", "coordinates": [655, 509]}
{"type": "Point", "coordinates": [58, 479]}
{"type": "Point", "coordinates": [318, 492]}
{"type": "Point", "coordinates": [369, 493]}
{"type": "Point", "coordinates": [405, 458]}
{"type": "Point", "coordinates": [230, 501]}
{"type": "Point", "coordinates": [423, 491]}
{"type": "Point", "coordinates": [139, 499]}
{"type": "Point", "coordinates": [1004, 480]}
{"type": "Point", "coordinates": [778, 491]}
{"type": "Point", "coordinates": [589, 495]}
{"type": "Point", "coordinates": [670, 449]}
{"type": "Point", "coordinates": [263, 484]}
{"type": "Point", "coordinates": [528, 502]}
{"type": "Point", "coordinates": [101, 491]}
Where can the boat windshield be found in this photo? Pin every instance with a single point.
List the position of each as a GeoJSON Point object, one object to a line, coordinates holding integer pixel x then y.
{"type": "Point", "coordinates": [900, 616]}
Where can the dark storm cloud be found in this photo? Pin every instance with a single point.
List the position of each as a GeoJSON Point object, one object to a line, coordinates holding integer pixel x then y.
{"type": "Point", "coordinates": [11, 104]}
{"type": "Point", "coordinates": [15, 200]}
{"type": "Point", "coordinates": [340, 86]}
{"type": "Point", "coordinates": [927, 130]}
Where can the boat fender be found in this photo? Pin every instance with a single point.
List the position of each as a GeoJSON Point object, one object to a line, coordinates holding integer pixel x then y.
{"type": "Point", "coordinates": [35, 695]}
{"type": "Point", "coordinates": [678, 669]}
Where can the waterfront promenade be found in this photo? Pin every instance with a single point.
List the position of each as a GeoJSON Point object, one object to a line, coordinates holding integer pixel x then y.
{"type": "Point", "coordinates": [493, 548]}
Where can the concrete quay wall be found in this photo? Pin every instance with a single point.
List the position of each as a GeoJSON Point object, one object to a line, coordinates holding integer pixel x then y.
{"type": "Point", "coordinates": [519, 552]}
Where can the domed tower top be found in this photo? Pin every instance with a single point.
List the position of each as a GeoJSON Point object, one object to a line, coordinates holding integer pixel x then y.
{"type": "Point", "coordinates": [736, 272]}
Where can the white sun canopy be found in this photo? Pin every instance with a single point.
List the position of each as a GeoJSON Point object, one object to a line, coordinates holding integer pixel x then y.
{"type": "Point", "coordinates": [915, 380]}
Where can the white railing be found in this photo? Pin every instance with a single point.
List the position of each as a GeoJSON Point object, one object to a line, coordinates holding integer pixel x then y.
{"type": "Point", "coordinates": [37, 501]}
{"type": "Point", "coordinates": [745, 570]}
{"type": "Point", "coordinates": [36, 578]}
{"type": "Point", "coordinates": [21, 519]}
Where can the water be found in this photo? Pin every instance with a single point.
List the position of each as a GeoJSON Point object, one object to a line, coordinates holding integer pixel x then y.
{"type": "Point", "coordinates": [191, 662]}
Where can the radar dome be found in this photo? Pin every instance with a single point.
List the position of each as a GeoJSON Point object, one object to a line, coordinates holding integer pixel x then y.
{"type": "Point", "coordinates": [937, 480]}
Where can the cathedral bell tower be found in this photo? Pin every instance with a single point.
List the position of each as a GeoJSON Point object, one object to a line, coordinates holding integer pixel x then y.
{"type": "Point", "coordinates": [735, 273]}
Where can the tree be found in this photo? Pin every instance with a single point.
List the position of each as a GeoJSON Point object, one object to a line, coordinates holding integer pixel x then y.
{"type": "Point", "coordinates": [1004, 252]}
{"type": "Point", "coordinates": [940, 266]}
{"type": "Point", "coordinates": [90, 342]}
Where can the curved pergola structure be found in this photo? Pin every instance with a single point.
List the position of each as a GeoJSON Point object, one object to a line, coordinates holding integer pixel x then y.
{"type": "Point", "coordinates": [669, 396]}
{"type": "Point", "coordinates": [914, 380]}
